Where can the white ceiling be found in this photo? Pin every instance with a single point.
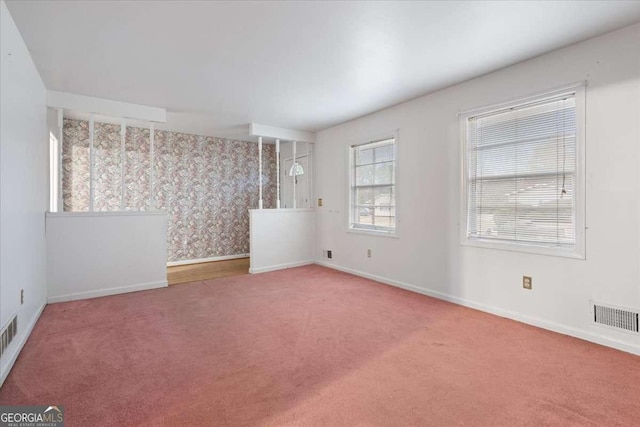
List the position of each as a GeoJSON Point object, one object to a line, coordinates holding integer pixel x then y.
{"type": "Point", "coordinates": [216, 66]}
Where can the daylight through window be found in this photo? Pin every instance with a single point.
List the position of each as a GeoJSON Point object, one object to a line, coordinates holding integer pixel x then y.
{"type": "Point", "coordinates": [521, 165]}
{"type": "Point", "coordinates": [373, 195]}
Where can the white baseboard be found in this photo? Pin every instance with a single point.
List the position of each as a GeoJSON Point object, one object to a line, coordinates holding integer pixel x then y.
{"type": "Point", "coordinates": [13, 355]}
{"type": "Point", "coordinates": [540, 323]}
{"type": "Point", "coordinates": [109, 291]}
{"type": "Point", "coordinates": [201, 260]}
{"type": "Point", "coordinates": [280, 266]}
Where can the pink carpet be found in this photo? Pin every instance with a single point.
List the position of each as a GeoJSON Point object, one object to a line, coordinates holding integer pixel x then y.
{"type": "Point", "coordinates": [312, 346]}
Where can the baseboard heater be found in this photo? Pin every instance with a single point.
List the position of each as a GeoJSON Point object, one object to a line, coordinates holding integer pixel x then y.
{"type": "Point", "coordinates": [616, 317]}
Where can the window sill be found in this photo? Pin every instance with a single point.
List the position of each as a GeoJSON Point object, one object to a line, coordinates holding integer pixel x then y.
{"type": "Point", "coordinates": [393, 235]}
{"type": "Point", "coordinates": [102, 213]}
{"type": "Point", "coordinates": [525, 248]}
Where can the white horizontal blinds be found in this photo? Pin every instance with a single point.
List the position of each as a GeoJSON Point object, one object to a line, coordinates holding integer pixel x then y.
{"type": "Point", "coordinates": [373, 186]}
{"type": "Point", "coordinates": [521, 171]}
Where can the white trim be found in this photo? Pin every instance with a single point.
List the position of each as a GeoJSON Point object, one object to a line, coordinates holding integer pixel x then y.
{"type": "Point", "coordinates": [91, 162]}
{"type": "Point", "coordinates": [294, 177]}
{"type": "Point", "coordinates": [259, 172]}
{"type": "Point", "coordinates": [123, 136]}
{"type": "Point", "coordinates": [579, 89]}
{"type": "Point", "coordinates": [581, 171]}
{"type": "Point", "coordinates": [281, 133]}
{"type": "Point", "coordinates": [15, 352]}
{"type": "Point", "coordinates": [523, 99]}
{"type": "Point", "coordinates": [364, 231]}
{"type": "Point", "coordinates": [311, 184]}
{"type": "Point", "coordinates": [523, 248]}
{"type": "Point", "coordinates": [103, 213]}
{"type": "Point", "coordinates": [107, 107]}
{"type": "Point", "coordinates": [534, 321]}
{"type": "Point", "coordinates": [201, 260]}
{"type": "Point", "coordinates": [280, 266]}
{"type": "Point", "coordinates": [278, 174]}
{"type": "Point", "coordinates": [152, 139]}
{"type": "Point", "coordinates": [284, 210]}
{"type": "Point", "coordinates": [109, 291]}
{"type": "Point", "coordinates": [54, 167]}
{"type": "Point", "coordinates": [60, 152]}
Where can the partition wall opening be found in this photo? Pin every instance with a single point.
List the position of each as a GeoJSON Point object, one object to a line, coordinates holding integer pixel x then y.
{"type": "Point", "coordinates": [205, 184]}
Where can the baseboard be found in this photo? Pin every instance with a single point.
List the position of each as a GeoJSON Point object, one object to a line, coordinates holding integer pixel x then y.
{"type": "Point", "coordinates": [201, 260]}
{"type": "Point", "coordinates": [105, 292]}
{"type": "Point", "coordinates": [280, 266]}
{"type": "Point", "coordinates": [11, 357]}
{"type": "Point", "coordinates": [540, 323]}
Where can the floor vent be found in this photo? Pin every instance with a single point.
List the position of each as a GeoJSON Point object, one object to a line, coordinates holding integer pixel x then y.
{"type": "Point", "coordinates": [8, 334]}
{"type": "Point", "coordinates": [615, 317]}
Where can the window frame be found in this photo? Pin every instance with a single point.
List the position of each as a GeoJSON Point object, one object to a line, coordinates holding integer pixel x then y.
{"type": "Point", "coordinates": [579, 252]}
{"type": "Point", "coordinates": [393, 233]}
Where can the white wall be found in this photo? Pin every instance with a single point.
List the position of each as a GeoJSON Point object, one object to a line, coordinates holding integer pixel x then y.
{"type": "Point", "coordinates": [427, 256]}
{"type": "Point", "coordinates": [23, 187]}
{"type": "Point", "coordinates": [105, 253]}
{"type": "Point", "coordinates": [281, 238]}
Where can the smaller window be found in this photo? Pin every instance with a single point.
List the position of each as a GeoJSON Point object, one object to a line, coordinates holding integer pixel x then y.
{"type": "Point", "coordinates": [372, 205]}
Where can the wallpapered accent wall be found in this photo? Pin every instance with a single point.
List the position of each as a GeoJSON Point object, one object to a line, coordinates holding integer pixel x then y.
{"type": "Point", "coordinates": [205, 184]}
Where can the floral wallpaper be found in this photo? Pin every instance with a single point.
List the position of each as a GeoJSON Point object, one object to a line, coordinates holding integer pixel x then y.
{"type": "Point", "coordinates": [75, 166]}
{"type": "Point", "coordinates": [205, 184]}
{"type": "Point", "coordinates": [107, 181]}
{"type": "Point", "coordinates": [137, 169]}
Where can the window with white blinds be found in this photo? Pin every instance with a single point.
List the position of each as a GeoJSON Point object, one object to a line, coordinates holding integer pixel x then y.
{"type": "Point", "coordinates": [521, 174]}
{"type": "Point", "coordinates": [372, 185]}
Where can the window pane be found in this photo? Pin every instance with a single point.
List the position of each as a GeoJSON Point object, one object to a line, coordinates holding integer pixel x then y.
{"type": "Point", "coordinates": [385, 153]}
{"type": "Point", "coordinates": [364, 196]}
{"type": "Point", "coordinates": [383, 196]}
{"type": "Point", "coordinates": [384, 173]}
{"type": "Point", "coordinates": [525, 209]}
{"type": "Point", "coordinates": [533, 157]}
{"type": "Point", "coordinates": [530, 123]}
{"type": "Point", "coordinates": [521, 166]}
{"type": "Point", "coordinates": [373, 178]}
{"type": "Point", "coordinates": [364, 156]}
{"type": "Point", "coordinates": [365, 215]}
{"type": "Point", "coordinates": [365, 175]}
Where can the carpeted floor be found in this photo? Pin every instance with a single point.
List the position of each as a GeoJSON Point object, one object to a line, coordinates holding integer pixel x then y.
{"type": "Point", "coordinates": [312, 346]}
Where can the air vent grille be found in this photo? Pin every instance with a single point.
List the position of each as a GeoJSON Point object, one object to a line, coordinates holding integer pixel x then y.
{"type": "Point", "coordinates": [615, 317]}
{"type": "Point", "coordinates": [8, 334]}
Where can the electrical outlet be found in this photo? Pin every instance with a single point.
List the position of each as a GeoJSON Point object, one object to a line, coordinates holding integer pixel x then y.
{"type": "Point", "coordinates": [527, 282]}
{"type": "Point", "coordinates": [368, 253]}
{"type": "Point", "coordinates": [21, 296]}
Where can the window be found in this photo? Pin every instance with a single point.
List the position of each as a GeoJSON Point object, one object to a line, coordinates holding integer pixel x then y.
{"type": "Point", "coordinates": [523, 176]}
{"type": "Point", "coordinates": [372, 187]}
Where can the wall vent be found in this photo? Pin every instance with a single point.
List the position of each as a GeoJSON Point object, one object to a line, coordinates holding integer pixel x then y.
{"type": "Point", "coordinates": [616, 317]}
{"type": "Point", "coordinates": [8, 334]}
